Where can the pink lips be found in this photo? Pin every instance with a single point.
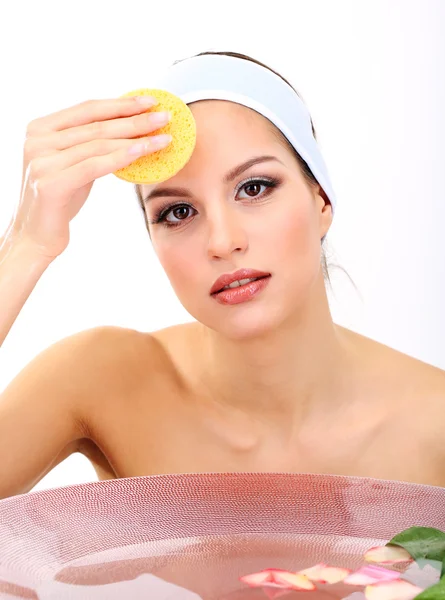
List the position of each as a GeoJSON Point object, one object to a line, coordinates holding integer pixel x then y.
{"type": "Point", "coordinates": [242, 293]}
{"type": "Point", "coordinates": [229, 278]}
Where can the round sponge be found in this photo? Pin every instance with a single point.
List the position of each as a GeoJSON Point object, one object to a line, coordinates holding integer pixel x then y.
{"type": "Point", "coordinates": [163, 164]}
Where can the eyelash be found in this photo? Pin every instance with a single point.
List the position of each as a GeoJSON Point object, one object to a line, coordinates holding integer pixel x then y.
{"type": "Point", "coordinates": [160, 216]}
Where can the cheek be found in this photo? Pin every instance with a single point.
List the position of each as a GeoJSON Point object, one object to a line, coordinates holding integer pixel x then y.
{"type": "Point", "coordinates": [294, 247]}
{"type": "Point", "coordinates": [179, 264]}
{"type": "Point", "coordinates": [291, 232]}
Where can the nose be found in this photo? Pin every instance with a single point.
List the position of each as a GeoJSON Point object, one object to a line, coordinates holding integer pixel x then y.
{"type": "Point", "coordinates": [226, 233]}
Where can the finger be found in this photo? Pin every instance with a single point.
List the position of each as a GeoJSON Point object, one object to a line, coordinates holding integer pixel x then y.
{"type": "Point", "coordinates": [87, 112]}
{"type": "Point", "coordinates": [80, 174]}
{"type": "Point", "coordinates": [58, 161]}
{"type": "Point", "coordinates": [127, 128]}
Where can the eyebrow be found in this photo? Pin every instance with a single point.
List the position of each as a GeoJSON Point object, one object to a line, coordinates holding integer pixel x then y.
{"type": "Point", "coordinates": [235, 172]}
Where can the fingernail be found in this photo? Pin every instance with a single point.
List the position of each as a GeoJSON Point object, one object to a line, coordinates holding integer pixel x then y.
{"type": "Point", "coordinates": [158, 141]}
{"type": "Point", "coordinates": [138, 149]}
{"type": "Point", "coordinates": [160, 117]}
{"type": "Point", "coordinates": [146, 100]}
{"type": "Point", "coordinates": [155, 142]}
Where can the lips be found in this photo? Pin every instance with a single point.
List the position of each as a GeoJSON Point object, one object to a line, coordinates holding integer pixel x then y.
{"type": "Point", "coordinates": [229, 278]}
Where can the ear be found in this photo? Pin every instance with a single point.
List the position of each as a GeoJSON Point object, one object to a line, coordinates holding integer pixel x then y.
{"type": "Point", "coordinates": [324, 210]}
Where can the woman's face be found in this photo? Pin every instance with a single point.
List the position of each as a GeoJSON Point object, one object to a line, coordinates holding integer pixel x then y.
{"type": "Point", "coordinates": [219, 226]}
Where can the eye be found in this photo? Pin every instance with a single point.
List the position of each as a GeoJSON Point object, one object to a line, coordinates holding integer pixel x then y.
{"type": "Point", "coordinates": [173, 215]}
{"type": "Point", "coordinates": [253, 186]}
{"type": "Point", "coordinates": [179, 212]}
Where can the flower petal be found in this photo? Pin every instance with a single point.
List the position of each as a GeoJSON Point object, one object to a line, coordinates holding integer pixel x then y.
{"type": "Point", "coordinates": [278, 578]}
{"type": "Point", "coordinates": [313, 573]}
{"type": "Point", "coordinates": [392, 590]}
{"type": "Point", "coordinates": [294, 581]}
{"type": "Point", "coordinates": [322, 573]}
{"type": "Point", "coordinates": [371, 574]}
{"type": "Point", "coordinates": [258, 579]}
{"type": "Point", "coordinates": [388, 555]}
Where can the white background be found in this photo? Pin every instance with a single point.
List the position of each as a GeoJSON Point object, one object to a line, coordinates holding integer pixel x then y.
{"type": "Point", "coordinates": [372, 75]}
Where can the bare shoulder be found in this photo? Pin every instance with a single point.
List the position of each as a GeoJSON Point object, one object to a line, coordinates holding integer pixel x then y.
{"type": "Point", "coordinates": [119, 357]}
{"type": "Point", "coordinates": [49, 404]}
{"type": "Point", "coordinates": [112, 353]}
{"type": "Point", "coordinates": [412, 380]}
{"type": "Point", "coordinates": [102, 363]}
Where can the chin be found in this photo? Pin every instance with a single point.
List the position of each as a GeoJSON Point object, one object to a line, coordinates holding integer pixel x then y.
{"type": "Point", "coordinates": [243, 322]}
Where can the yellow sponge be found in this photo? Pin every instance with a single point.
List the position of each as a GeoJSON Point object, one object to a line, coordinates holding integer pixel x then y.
{"type": "Point", "coordinates": [163, 164]}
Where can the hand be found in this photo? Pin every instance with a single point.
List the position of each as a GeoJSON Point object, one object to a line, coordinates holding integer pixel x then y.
{"type": "Point", "coordinates": [64, 153]}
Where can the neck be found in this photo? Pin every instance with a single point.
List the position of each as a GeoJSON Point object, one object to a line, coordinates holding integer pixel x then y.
{"type": "Point", "coordinates": [282, 374]}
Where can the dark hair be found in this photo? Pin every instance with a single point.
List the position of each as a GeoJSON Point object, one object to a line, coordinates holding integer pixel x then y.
{"type": "Point", "coordinates": [306, 172]}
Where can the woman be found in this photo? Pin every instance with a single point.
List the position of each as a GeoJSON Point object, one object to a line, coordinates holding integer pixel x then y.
{"type": "Point", "coordinates": [263, 380]}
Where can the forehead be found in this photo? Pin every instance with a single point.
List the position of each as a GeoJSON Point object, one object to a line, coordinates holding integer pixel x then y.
{"type": "Point", "coordinates": [216, 110]}
{"type": "Point", "coordinates": [226, 134]}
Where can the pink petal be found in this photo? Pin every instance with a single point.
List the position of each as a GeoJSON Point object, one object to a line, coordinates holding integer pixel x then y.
{"type": "Point", "coordinates": [257, 579]}
{"type": "Point", "coordinates": [313, 570]}
{"type": "Point", "coordinates": [294, 581]}
{"type": "Point", "coordinates": [324, 574]}
{"type": "Point", "coordinates": [393, 590]}
{"type": "Point", "coordinates": [371, 574]}
{"type": "Point", "coordinates": [278, 578]}
{"type": "Point", "coordinates": [333, 574]}
{"type": "Point", "coordinates": [388, 555]}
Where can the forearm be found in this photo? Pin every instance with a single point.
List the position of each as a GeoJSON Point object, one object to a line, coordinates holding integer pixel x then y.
{"type": "Point", "coordinates": [20, 270]}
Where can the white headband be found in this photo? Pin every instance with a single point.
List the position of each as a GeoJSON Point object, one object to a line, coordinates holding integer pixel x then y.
{"type": "Point", "coordinates": [220, 77]}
